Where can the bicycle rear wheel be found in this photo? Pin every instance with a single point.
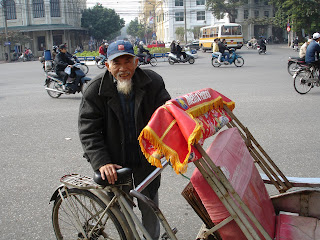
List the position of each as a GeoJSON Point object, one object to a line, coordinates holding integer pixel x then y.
{"type": "Point", "coordinates": [302, 81]}
{"type": "Point", "coordinates": [79, 212]}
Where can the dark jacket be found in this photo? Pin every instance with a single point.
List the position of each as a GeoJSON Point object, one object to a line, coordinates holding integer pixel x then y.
{"type": "Point", "coordinates": [141, 49]}
{"type": "Point", "coordinates": [173, 48]}
{"type": "Point", "coordinates": [101, 126]}
{"type": "Point", "coordinates": [312, 53]}
{"type": "Point", "coordinates": [62, 61]}
{"type": "Point", "coordinates": [222, 47]}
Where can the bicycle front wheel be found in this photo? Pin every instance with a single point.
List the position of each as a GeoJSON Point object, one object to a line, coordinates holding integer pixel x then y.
{"type": "Point", "coordinates": [78, 213]}
{"type": "Point", "coordinates": [302, 82]}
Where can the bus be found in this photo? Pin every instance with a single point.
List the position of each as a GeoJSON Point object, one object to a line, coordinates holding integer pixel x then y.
{"type": "Point", "coordinates": [232, 32]}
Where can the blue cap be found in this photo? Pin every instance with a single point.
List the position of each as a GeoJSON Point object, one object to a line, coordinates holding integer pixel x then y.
{"type": "Point", "coordinates": [119, 48]}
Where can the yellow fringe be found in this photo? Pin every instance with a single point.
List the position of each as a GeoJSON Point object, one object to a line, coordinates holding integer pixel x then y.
{"type": "Point", "coordinates": [163, 149]}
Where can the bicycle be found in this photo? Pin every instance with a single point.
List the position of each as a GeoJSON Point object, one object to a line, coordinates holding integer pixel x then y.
{"type": "Point", "coordinates": [90, 208]}
{"type": "Point", "coordinates": [306, 78]}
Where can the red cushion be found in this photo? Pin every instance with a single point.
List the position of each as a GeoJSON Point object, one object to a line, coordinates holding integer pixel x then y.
{"type": "Point", "coordinates": [291, 227]}
{"type": "Point", "coordinates": [229, 151]}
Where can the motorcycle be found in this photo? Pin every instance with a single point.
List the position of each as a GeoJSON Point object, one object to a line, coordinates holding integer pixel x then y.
{"type": "Point", "coordinates": [54, 84]}
{"type": "Point", "coordinates": [149, 59]}
{"type": "Point", "coordinates": [294, 64]}
{"type": "Point", "coordinates": [173, 58]}
{"type": "Point", "coordinates": [84, 67]}
{"type": "Point", "coordinates": [23, 57]}
{"type": "Point", "coordinates": [261, 50]}
{"type": "Point", "coordinates": [233, 58]}
{"type": "Point", "coordinates": [49, 65]}
{"type": "Point", "coordinates": [99, 63]}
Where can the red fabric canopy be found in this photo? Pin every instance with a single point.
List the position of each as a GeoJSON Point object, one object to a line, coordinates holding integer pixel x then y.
{"type": "Point", "coordinates": [181, 123]}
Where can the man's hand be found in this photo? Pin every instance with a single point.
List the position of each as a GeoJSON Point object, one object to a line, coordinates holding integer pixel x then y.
{"type": "Point", "coordinates": [109, 171]}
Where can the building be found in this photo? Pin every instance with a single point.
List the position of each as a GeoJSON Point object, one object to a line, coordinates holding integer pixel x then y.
{"type": "Point", "coordinates": [254, 16]}
{"type": "Point", "coordinates": [44, 23]}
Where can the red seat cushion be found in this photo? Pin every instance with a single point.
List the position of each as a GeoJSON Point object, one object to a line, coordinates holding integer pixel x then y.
{"type": "Point", "coordinates": [291, 227]}
{"type": "Point", "coordinates": [229, 151]}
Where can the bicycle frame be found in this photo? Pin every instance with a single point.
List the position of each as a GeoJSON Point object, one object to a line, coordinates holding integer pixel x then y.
{"type": "Point", "coordinates": [120, 197]}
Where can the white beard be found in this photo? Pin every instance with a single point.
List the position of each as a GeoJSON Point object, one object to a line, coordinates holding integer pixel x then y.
{"type": "Point", "coordinates": [124, 87]}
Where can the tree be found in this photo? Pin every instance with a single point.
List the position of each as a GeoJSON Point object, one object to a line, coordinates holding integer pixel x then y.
{"type": "Point", "coordinates": [180, 33]}
{"type": "Point", "coordinates": [220, 8]}
{"type": "Point", "coordinates": [301, 14]}
{"type": "Point", "coordinates": [196, 32]}
{"type": "Point", "coordinates": [135, 29]}
{"type": "Point", "coordinates": [103, 23]}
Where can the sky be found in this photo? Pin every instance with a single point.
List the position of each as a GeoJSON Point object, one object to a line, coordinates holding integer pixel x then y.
{"type": "Point", "coordinates": [127, 9]}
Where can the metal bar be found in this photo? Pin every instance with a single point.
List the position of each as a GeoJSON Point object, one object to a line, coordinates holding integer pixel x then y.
{"type": "Point", "coordinates": [134, 217]}
{"type": "Point", "coordinates": [151, 177]}
{"type": "Point", "coordinates": [219, 225]}
{"type": "Point", "coordinates": [156, 211]}
{"type": "Point", "coordinates": [102, 215]}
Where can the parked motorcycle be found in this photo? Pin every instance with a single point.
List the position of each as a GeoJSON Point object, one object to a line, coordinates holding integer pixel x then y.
{"type": "Point", "coordinates": [99, 63]}
{"type": "Point", "coordinates": [294, 64]}
{"type": "Point", "coordinates": [172, 58]}
{"type": "Point", "coordinates": [233, 58]}
{"type": "Point", "coordinates": [54, 84]}
{"type": "Point", "coordinates": [148, 59]}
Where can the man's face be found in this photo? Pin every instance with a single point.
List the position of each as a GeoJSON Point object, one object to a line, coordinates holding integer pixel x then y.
{"type": "Point", "coordinates": [123, 67]}
{"type": "Point", "coordinates": [64, 50]}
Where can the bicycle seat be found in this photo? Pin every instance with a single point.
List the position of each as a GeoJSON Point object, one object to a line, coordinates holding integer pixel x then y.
{"type": "Point", "coordinates": [124, 177]}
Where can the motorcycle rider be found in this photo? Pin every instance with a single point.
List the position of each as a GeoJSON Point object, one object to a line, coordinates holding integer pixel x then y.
{"type": "Point", "coordinates": [215, 49]}
{"type": "Point", "coordinates": [303, 49]}
{"type": "Point", "coordinates": [180, 52]}
{"type": "Point", "coordinates": [62, 60]}
{"type": "Point", "coordinates": [262, 44]}
{"type": "Point", "coordinates": [173, 48]}
{"type": "Point", "coordinates": [313, 50]}
{"type": "Point", "coordinates": [141, 51]}
{"type": "Point", "coordinates": [222, 47]}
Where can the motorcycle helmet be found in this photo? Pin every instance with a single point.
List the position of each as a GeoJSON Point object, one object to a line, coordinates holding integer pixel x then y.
{"type": "Point", "coordinates": [316, 35]}
{"type": "Point", "coordinates": [140, 43]}
{"type": "Point", "coordinates": [178, 42]}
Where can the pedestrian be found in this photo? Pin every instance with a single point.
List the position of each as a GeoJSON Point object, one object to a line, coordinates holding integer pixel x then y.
{"type": "Point", "coordinates": [115, 107]}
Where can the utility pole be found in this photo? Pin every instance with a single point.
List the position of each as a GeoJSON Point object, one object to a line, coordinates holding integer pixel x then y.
{"type": "Point", "coordinates": [185, 20]}
{"type": "Point", "coordinates": [4, 6]}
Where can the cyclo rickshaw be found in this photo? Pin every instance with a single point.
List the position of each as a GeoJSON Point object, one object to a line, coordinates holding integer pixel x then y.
{"type": "Point", "coordinates": [226, 190]}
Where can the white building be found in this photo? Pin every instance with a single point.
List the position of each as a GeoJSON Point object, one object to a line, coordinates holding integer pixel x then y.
{"type": "Point", "coordinates": [46, 23]}
{"type": "Point", "coordinates": [171, 14]}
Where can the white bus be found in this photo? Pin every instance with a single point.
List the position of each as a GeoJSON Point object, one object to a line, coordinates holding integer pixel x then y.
{"type": "Point", "coordinates": [232, 32]}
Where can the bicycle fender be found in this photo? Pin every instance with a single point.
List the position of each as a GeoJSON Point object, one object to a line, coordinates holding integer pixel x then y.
{"type": "Point", "coordinates": [56, 193]}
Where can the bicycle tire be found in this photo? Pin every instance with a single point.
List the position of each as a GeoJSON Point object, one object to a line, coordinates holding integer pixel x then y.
{"type": "Point", "coordinates": [54, 85]}
{"type": "Point", "coordinates": [88, 210]}
{"type": "Point", "coordinates": [100, 65]}
{"type": "Point", "coordinates": [301, 83]}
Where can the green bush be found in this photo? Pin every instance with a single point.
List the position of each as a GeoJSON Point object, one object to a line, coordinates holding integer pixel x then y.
{"type": "Point", "coordinates": [135, 48]}
{"type": "Point", "coordinates": [88, 54]}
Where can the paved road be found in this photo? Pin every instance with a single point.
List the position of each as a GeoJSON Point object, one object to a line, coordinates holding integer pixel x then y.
{"type": "Point", "coordinates": [39, 141]}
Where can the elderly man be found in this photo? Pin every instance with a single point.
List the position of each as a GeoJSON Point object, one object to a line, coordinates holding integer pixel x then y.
{"type": "Point", "coordinates": [115, 107]}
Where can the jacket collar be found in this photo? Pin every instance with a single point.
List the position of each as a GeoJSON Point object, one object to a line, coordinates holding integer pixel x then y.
{"type": "Point", "coordinates": [108, 88]}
